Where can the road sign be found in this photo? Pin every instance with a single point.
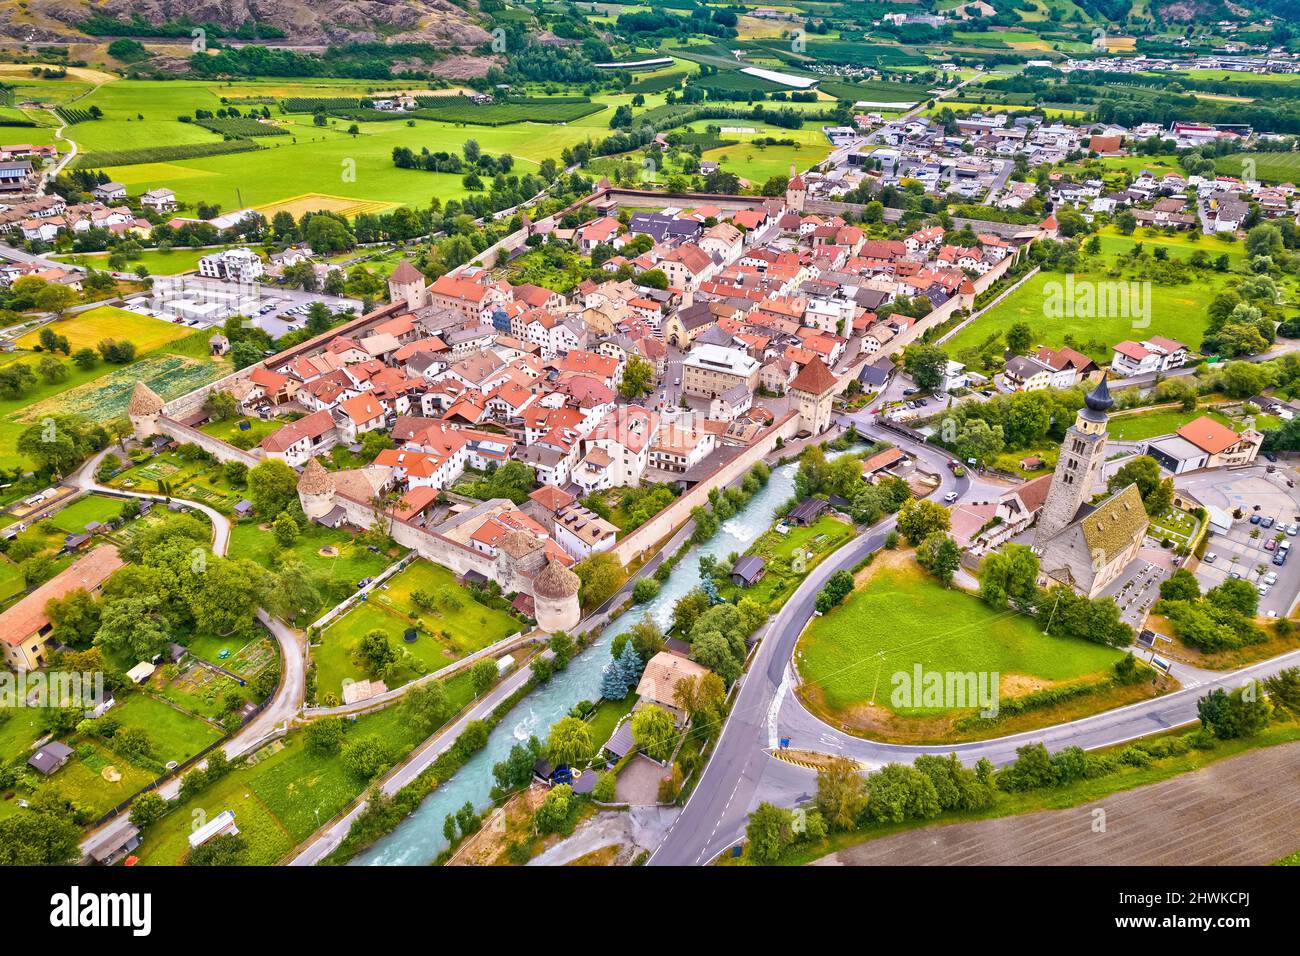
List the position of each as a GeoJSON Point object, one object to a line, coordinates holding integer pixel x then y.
{"type": "Point", "coordinates": [785, 742]}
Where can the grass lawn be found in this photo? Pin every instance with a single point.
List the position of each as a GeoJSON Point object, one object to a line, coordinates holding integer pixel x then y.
{"type": "Point", "coordinates": [11, 580]}
{"type": "Point", "coordinates": [88, 329]}
{"type": "Point", "coordinates": [350, 564]}
{"type": "Point", "coordinates": [175, 736]}
{"type": "Point", "coordinates": [89, 782]}
{"type": "Point", "coordinates": [458, 626]}
{"type": "Point", "coordinates": [1162, 422]}
{"type": "Point", "coordinates": [21, 728]}
{"type": "Point", "coordinates": [158, 262]}
{"type": "Point", "coordinates": [902, 617]}
{"type": "Point", "coordinates": [605, 718]}
{"type": "Point", "coordinates": [74, 518]}
{"type": "Point", "coordinates": [258, 428]}
{"type": "Point", "coordinates": [1174, 524]}
{"type": "Point", "coordinates": [1177, 312]}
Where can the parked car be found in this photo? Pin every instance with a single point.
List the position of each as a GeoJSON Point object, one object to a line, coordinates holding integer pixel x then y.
{"type": "Point", "coordinates": [1280, 558]}
{"type": "Point", "coordinates": [1271, 578]}
{"type": "Point", "coordinates": [1211, 558]}
{"type": "Point", "coordinates": [1255, 519]}
{"type": "Point", "coordinates": [1266, 522]}
{"type": "Point", "coordinates": [1270, 456]}
{"type": "Point", "coordinates": [1293, 529]}
{"type": "Point", "coordinates": [1262, 589]}
{"type": "Point", "coordinates": [363, 582]}
{"type": "Point", "coordinates": [1270, 545]}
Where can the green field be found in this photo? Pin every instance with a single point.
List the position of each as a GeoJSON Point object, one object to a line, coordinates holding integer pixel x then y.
{"type": "Point", "coordinates": [1177, 312]}
{"type": "Point", "coordinates": [74, 518]}
{"type": "Point", "coordinates": [1269, 167]}
{"type": "Point", "coordinates": [87, 329]}
{"type": "Point", "coordinates": [1162, 422]}
{"type": "Point", "coordinates": [902, 617]}
{"type": "Point", "coordinates": [350, 563]}
{"type": "Point", "coordinates": [158, 262]}
{"type": "Point", "coordinates": [174, 735]}
{"type": "Point", "coordinates": [789, 557]}
{"type": "Point", "coordinates": [459, 625]}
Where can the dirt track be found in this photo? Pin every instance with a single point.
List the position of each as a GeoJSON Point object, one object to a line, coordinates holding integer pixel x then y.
{"type": "Point", "coordinates": [1242, 811]}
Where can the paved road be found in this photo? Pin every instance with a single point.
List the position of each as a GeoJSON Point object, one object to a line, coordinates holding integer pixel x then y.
{"type": "Point", "coordinates": [1237, 812]}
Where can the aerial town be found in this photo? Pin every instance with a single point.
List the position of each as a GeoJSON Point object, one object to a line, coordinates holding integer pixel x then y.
{"type": "Point", "coordinates": [612, 436]}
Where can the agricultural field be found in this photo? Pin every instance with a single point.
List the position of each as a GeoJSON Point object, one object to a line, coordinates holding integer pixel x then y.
{"type": "Point", "coordinates": [172, 473]}
{"type": "Point", "coordinates": [901, 617]}
{"type": "Point", "coordinates": [1269, 167]}
{"type": "Point", "coordinates": [102, 392]}
{"type": "Point", "coordinates": [347, 169]}
{"type": "Point", "coordinates": [458, 625]}
{"type": "Point", "coordinates": [88, 329]}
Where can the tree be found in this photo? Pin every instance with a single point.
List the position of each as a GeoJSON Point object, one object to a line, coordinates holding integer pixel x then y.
{"type": "Point", "coordinates": [837, 587]}
{"type": "Point", "coordinates": [1019, 338]}
{"type": "Point", "coordinates": [147, 809]}
{"type": "Point", "coordinates": [46, 834]}
{"type": "Point", "coordinates": [939, 555]}
{"type": "Point", "coordinates": [1242, 713]}
{"type": "Point", "coordinates": [557, 810]}
{"type": "Point", "coordinates": [1144, 471]}
{"type": "Point", "coordinates": [426, 707]}
{"type": "Point", "coordinates": [483, 675]}
{"type": "Point", "coordinates": [638, 378]}
{"type": "Point", "coordinates": [1180, 586]}
{"type": "Point", "coordinates": [325, 736]}
{"type": "Point", "coordinates": [770, 832]}
{"type": "Point", "coordinates": [897, 792]}
{"type": "Point", "coordinates": [1010, 574]}
{"type": "Point", "coordinates": [133, 627]}
{"type": "Point", "coordinates": [841, 793]}
{"type": "Point", "coordinates": [272, 487]}
{"type": "Point", "coordinates": [51, 369]}
{"type": "Point", "coordinates": [85, 358]}
{"type": "Point", "coordinates": [601, 575]}
{"type": "Point", "coordinates": [367, 757]}
{"type": "Point", "coordinates": [653, 730]}
{"type": "Point", "coordinates": [285, 529]}
{"type": "Point", "coordinates": [926, 364]}
{"type": "Point", "coordinates": [228, 595]}
{"type": "Point", "coordinates": [569, 742]}
{"type": "Point", "coordinates": [55, 298]}
{"type": "Point", "coordinates": [375, 652]}
{"type": "Point", "coordinates": [919, 518]}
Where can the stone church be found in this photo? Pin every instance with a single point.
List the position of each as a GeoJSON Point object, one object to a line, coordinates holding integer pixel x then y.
{"type": "Point", "coordinates": [1079, 544]}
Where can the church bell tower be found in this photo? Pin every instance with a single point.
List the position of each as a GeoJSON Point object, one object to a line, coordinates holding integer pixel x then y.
{"type": "Point", "coordinates": [1079, 464]}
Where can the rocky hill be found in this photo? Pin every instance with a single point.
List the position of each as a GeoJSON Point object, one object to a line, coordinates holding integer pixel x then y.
{"type": "Point", "coordinates": [302, 22]}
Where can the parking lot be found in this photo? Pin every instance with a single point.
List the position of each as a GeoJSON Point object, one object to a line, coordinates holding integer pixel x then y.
{"type": "Point", "coordinates": [1247, 550]}
{"type": "Point", "coordinates": [1138, 587]}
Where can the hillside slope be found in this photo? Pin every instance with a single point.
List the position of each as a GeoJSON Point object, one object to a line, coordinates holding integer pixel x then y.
{"type": "Point", "coordinates": [438, 22]}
